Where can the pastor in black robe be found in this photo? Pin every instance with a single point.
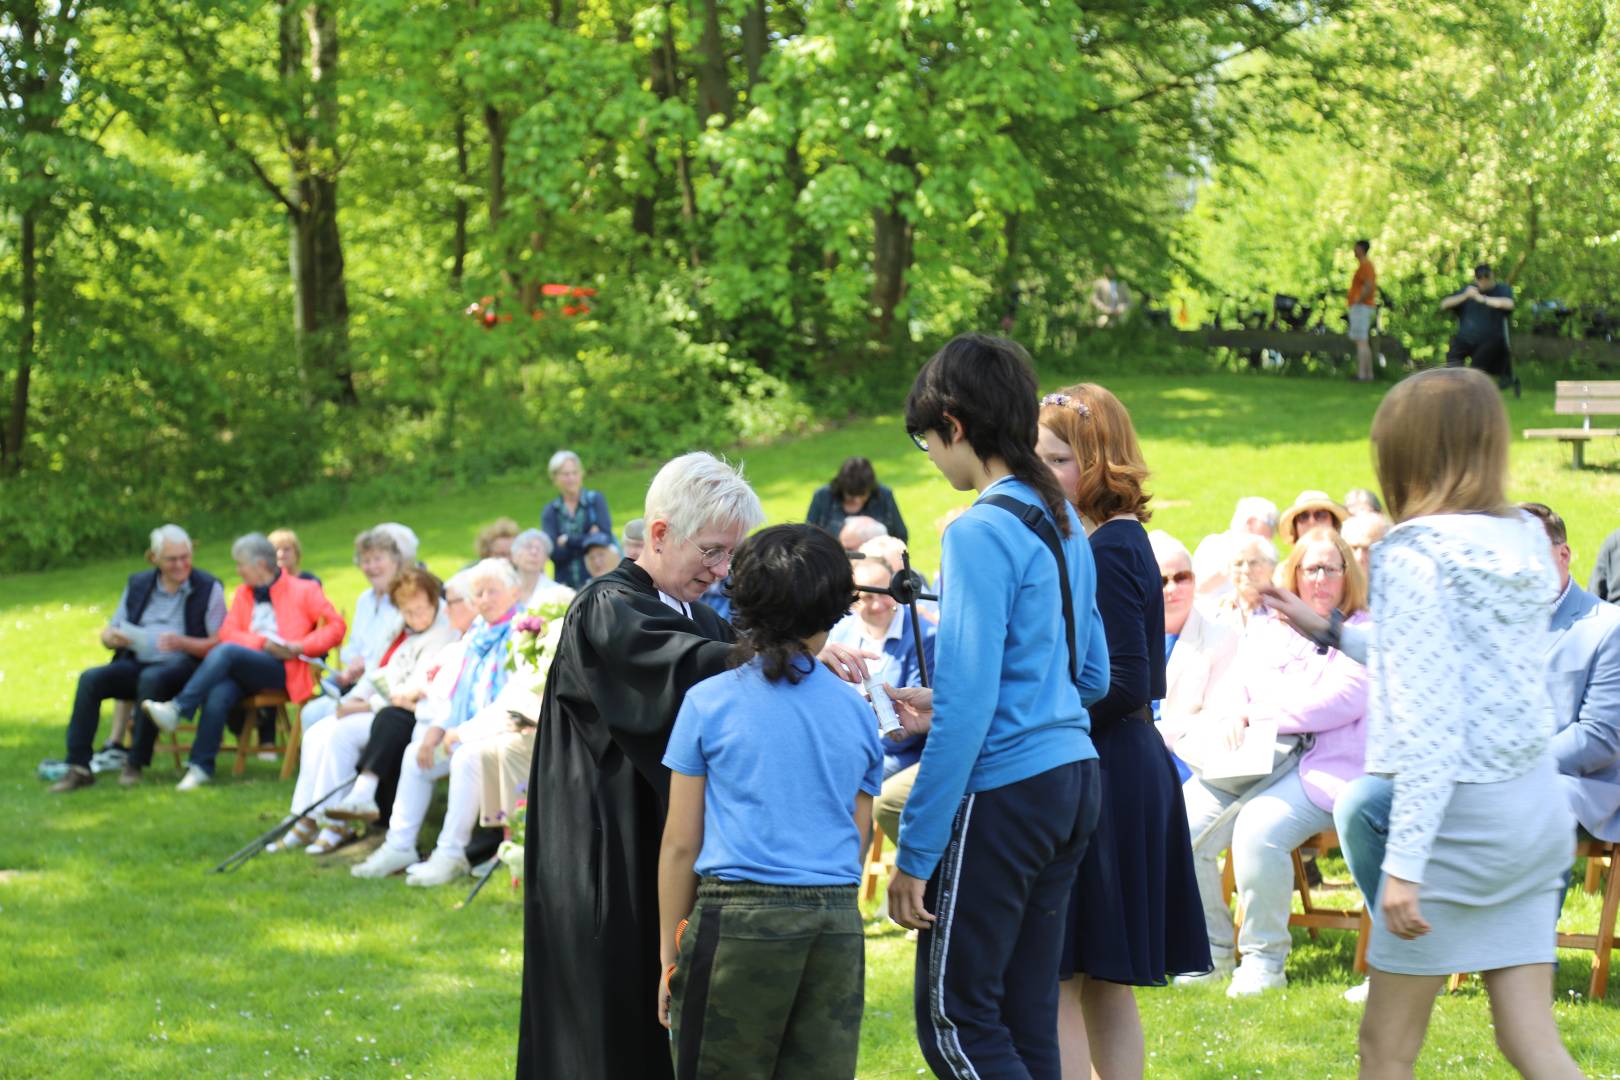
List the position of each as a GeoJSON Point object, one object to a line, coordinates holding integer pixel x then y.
{"type": "Point", "coordinates": [598, 793]}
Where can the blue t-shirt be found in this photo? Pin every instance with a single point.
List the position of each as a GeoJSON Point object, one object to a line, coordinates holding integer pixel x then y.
{"type": "Point", "coordinates": [783, 763]}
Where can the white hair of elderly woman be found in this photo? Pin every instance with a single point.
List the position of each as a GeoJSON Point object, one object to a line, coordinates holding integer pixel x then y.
{"type": "Point", "coordinates": [532, 538]}
{"type": "Point", "coordinates": [1250, 544]}
{"type": "Point", "coordinates": [460, 582]}
{"type": "Point", "coordinates": [500, 571]}
{"type": "Point", "coordinates": [167, 534]}
{"type": "Point", "coordinates": [254, 547]}
{"type": "Point", "coordinates": [404, 538]}
{"type": "Point", "coordinates": [1166, 546]}
{"type": "Point", "coordinates": [1254, 507]}
{"type": "Point", "coordinates": [699, 491]}
{"type": "Point", "coordinates": [561, 458]}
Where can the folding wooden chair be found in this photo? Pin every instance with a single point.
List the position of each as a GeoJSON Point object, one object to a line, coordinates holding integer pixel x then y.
{"type": "Point", "coordinates": [288, 733]}
{"type": "Point", "coordinates": [1312, 917]}
{"type": "Point", "coordinates": [877, 867]}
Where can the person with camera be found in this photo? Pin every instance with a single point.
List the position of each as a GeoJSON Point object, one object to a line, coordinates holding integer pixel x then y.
{"type": "Point", "coordinates": [1482, 308]}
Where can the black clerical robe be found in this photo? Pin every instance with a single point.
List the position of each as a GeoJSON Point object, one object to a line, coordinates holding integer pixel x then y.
{"type": "Point", "coordinates": [598, 793]}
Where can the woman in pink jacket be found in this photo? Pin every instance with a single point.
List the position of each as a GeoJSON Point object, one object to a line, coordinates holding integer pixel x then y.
{"type": "Point", "coordinates": [274, 619]}
{"type": "Point", "coordinates": [1321, 696]}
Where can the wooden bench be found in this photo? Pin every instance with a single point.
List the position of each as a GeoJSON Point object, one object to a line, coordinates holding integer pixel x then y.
{"type": "Point", "coordinates": [1586, 400]}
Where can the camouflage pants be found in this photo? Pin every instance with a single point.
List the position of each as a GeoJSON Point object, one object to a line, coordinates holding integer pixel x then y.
{"type": "Point", "coordinates": [769, 983]}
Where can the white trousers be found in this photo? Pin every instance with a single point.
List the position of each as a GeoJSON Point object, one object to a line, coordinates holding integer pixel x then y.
{"type": "Point", "coordinates": [315, 710]}
{"type": "Point", "coordinates": [416, 792]}
{"type": "Point", "coordinates": [327, 756]}
{"type": "Point", "coordinates": [1262, 837]}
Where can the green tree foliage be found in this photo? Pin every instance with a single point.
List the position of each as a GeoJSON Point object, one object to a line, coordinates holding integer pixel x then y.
{"type": "Point", "coordinates": [258, 224]}
{"type": "Point", "coordinates": [1460, 135]}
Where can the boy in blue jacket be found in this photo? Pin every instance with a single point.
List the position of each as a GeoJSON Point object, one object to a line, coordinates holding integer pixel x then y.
{"type": "Point", "coordinates": [1007, 792]}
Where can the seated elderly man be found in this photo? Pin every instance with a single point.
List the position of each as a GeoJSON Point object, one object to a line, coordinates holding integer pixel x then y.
{"type": "Point", "coordinates": [1361, 532]}
{"type": "Point", "coordinates": [1253, 516]}
{"type": "Point", "coordinates": [858, 530]}
{"type": "Point", "coordinates": [1583, 679]}
{"type": "Point", "coordinates": [166, 621]}
{"type": "Point", "coordinates": [273, 620]}
{"type": "Point", "coordinates": [880, 628]}
{"type": "Point", "coordinates": [1197, 652]}
{"type": "Point", "coordinates": [1253, 561]}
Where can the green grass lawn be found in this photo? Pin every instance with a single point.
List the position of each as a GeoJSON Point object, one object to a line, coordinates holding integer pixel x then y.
{"type": "Point", "coordinates": [121, 956]}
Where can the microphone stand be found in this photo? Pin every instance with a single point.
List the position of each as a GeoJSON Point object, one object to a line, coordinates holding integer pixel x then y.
{"type": "Point", "coordinates": [906, 588]}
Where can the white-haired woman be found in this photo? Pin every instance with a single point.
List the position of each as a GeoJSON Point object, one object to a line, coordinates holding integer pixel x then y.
{"type": "Point", "coordinates": [435, 752]}
{"type": "Point", "coordinates": [635, 641]}
{"type": "Point", "coordinates": [273, 621]}
{"type": "Point", "coordinates": [531, 549]}
{"type": "Point", "coordinates": [330, 752]}
{"type": "Point", "coordinates": [381, 553]}
{"type": "Point", "coordinates": [572, 517]}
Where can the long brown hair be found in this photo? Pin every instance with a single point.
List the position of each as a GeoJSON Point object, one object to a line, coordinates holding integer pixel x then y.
{"type": "Point", "coordinates": [1440, 445]}
{"type": "Point", "coordinates": [1098, 428]}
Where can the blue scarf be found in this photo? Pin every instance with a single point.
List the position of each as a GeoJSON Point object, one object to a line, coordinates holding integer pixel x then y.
{"type": "Point", "coordinates": [483, 671]}
{"type": "Point", "coordinates": [261, 593]}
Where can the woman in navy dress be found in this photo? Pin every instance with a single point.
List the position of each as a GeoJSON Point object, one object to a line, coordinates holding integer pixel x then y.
{"type": "Point", "coordinates": [1134, 914]}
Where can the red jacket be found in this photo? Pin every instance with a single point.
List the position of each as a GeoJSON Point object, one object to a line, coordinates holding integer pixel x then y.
{"type": "Point", "coordinates": [305, 619]}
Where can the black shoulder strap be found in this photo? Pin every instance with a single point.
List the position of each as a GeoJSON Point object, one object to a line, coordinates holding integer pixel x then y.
{"type": "Point", "coordinates": [1040, 523]}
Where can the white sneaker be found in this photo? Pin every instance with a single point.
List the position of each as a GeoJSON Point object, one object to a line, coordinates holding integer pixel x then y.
{"type": "Point", "coordinates": [163, 714]}
{"type": "Point", "coordinates": [437, 870]}
{"type": "Point", "coordinates": [1250, 979]}
{"type": "Point", "coordinates": [353, 809]}
{"type": "Point", "coordinates": [1357, 995]}
{"type": "Point", "coordinates": [194, 779]}
{"type": "Point", "coordinates": [383, 862]}
{"type": "Point", "coordinates": [1221, 972]}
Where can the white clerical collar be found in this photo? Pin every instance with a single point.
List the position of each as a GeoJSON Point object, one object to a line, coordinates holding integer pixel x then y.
{"type": "Point", "coordinates": [679, 605]}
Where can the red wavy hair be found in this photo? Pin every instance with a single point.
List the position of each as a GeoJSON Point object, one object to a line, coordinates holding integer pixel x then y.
{"type": "Point", "coordinates": [1098, 429]}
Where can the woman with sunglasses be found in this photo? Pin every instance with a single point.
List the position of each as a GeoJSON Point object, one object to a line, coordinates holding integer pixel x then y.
{"type": "Point", "coordinates": [1197, 652]}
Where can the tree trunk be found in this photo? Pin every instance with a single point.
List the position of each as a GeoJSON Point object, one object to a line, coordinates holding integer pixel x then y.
{"type": "Point", "coordinates": [458, 253]}
{"type": "Point", "coordinates": [891, 257]}
{"type": "Point", "coordinates": [755, 40]}
{"type": "Point", "coordinates": [321, 300]}
{"type": "Point", "coordinates": [17, 424]}
{"type": "Point", "coordinates": [714, 87]}
{"type": "Point", "coordinates": [683, 162]}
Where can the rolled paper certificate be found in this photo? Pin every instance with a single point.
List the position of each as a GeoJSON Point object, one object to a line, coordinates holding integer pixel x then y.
{"type": "Point", "coordinates": [888, 722]}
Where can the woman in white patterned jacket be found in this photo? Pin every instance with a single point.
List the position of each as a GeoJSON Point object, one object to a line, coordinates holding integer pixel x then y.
{"type": "Point", "coordinates": [1459, 718]}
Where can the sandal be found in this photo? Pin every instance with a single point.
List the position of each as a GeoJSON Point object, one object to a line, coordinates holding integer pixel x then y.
{"type": "Point", "coordinates": [300, 835]}
{"type": "Point", "coordinates": [332, 837]}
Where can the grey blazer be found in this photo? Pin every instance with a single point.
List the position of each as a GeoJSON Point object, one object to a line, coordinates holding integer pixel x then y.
{"type": "Point", "coordinates": [1583, 679]}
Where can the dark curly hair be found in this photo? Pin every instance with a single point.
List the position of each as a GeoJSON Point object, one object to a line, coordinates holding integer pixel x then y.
{"type": "Point", "coordinates": [788, 583]}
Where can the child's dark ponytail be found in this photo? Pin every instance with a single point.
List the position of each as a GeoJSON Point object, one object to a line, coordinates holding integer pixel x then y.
{"type": "Point", "coordinates": [988, 384]}
{"type": "Point", "coordinates": [788, 583]}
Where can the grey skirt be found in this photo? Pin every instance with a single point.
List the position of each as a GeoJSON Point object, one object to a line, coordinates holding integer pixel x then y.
{"type": "Point", "coordinates": [1491, 888]}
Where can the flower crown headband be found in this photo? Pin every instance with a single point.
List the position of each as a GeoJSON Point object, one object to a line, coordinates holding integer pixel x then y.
{"type": "Point", "coordinates": [1067, 402]}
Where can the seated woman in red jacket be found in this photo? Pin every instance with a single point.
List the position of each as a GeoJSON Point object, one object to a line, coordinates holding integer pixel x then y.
{"type": "Point", "coordinates": [273, 620]}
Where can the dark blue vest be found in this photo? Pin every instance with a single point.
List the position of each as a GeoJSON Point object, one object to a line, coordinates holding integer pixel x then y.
{"type": "Point", "coordinates": [202, 587]}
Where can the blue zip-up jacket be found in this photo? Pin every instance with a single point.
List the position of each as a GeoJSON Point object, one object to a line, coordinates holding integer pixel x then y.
{"type": "Point", "coordinates": [1005, 708]}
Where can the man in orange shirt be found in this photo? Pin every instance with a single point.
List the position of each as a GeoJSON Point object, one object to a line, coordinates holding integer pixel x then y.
{"type": "Point", "coordinates": [1362, 302]}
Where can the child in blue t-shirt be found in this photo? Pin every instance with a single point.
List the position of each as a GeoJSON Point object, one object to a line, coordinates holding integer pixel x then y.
{"type": "Point", "coordinates": [774, 767]}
